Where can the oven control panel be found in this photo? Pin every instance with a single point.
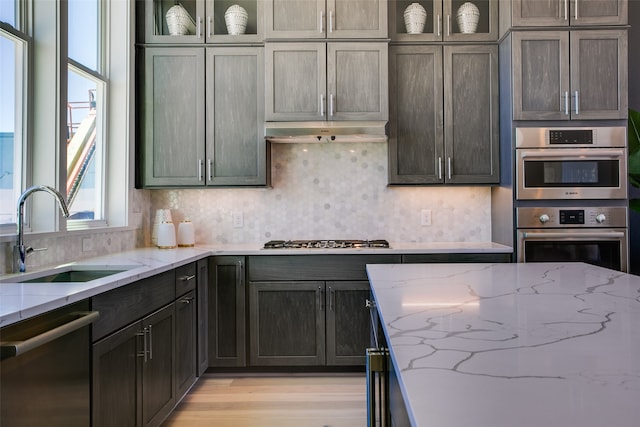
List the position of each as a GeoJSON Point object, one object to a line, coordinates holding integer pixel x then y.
{"type": "Point", "coordinates": [571, 217]}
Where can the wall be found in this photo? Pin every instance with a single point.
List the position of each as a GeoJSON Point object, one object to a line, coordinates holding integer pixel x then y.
{"type": "Point", "coordinates": [331, 191]}
{"type": "Point", "coordinates": [634, 103]}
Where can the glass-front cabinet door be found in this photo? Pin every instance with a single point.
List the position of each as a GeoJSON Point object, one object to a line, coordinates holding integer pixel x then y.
{"type": "Point", "coordinates": [568, 12]}
{"type": "Point", "coordinates": [200, 21]}
{"type": "Point", "coordinates": [448, 20]}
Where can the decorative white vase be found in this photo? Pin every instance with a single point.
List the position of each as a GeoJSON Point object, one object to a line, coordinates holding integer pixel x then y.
{"type": "Point", "coordinates": [236, 19]}
{"type": "Point", "coordinates": [415, 16]}
{"type": "Point", "coordinates": [468, 16]}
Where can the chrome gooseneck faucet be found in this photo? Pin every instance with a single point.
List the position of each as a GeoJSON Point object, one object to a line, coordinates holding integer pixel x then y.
{"type": "Point", "coordinates": [20, 251]}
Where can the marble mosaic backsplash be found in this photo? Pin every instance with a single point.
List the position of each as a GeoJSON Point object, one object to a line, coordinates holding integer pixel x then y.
{"type": "Point", "coordinates": [330, 191]}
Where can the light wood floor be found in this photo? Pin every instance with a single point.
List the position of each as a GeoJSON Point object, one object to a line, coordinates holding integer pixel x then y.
{"type": "Point", "coordinates": [274, 401]}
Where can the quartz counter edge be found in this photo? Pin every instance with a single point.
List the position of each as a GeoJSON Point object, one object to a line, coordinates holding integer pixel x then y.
{"type": "Point", "coordinates": [20, 301]}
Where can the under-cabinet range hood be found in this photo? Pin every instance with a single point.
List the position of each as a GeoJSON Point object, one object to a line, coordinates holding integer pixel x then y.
{"type": "Point", "coordinates": [323, 132]}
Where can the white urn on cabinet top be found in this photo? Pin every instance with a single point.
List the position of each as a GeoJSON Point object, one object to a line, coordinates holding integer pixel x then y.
{"type": "Point", "coordinates": [468, 16]}
{"type": "Point", "coordinates": [415, 17]}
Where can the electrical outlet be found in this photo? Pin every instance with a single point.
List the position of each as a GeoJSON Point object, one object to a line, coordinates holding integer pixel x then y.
{"type": "Point", "coordinates": [237, 219]}
{"type": "Point", "coordinates": [425, 217]}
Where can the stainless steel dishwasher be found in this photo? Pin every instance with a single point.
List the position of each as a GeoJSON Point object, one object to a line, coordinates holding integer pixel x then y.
{"type": "Point", "coordinates": [45, 369]}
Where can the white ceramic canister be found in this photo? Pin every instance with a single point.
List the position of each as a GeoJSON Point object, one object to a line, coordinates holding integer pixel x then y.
{"type": "Point", "coordinates": [161, 215]}
{"type": "Point", "coordinates": [186, 234]}
{"type": "Point", "coordinates": [166, 235]}
{"type": "Point", "coordinates": [236, 18]}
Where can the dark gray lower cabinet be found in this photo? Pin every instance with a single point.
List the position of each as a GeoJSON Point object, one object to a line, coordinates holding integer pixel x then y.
{"type": "Point", "coordinates": [185, 343]}
{"type": "Point", "coordinates": [286, 323]}
{"type": "Point", "coordinates": [202, 294]}
{"type": "Point", "coordinates": [226, 312]}
{"type": "Point", "coordinates": [133, 384]}
{"type": "Point", "coordinates": [347, 318]}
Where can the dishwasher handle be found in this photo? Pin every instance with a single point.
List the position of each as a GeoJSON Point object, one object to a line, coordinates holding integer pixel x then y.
{"type": "Point", "coordinates": [15, 348]}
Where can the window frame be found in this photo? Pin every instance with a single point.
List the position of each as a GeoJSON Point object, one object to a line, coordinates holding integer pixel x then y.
{"type": "Point", "coordinates": [46, 96]}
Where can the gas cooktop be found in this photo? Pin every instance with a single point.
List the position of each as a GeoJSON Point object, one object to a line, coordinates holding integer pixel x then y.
{"type": "Point", "coordinates": [325, 244]}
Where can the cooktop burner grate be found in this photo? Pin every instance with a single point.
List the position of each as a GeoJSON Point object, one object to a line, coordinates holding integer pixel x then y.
{"type": "Point", "coordinates": [325, 244]}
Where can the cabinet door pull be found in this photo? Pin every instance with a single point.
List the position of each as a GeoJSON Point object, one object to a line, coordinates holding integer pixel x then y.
{"type": "Point", "coordinates": [210, 169]}
{"type": "Point", "coordinates": [440, 168]}
{"type": "Point", "coordinates": [577, 101]}
{"type": "Point", "coordinates": [200, 169]}
{"type": "Point", "coordinates": [322, 105]}
{"type": "Point", "coordinates": [199, 27]}
{"type": "Point", "coordinates": [448, 25]}
{"type": "Point", "coordinates": [150, 329]}
{"type": "Point", "coordinates": [143, 354]}
{"type": "Point", "coordinates": [318, 302]}
{"type": "Point", "coordinates": [321, 21]}
{"type": "Point", "coordinates": [240, 272]}
{"type": "Point", "coordinates": [449, 167]}
{"type": "Point", "coordinates": [186, 300]}
{"type": "Point", "coordinates": [566, 103]}
{"type": "Point", "coordinates": [209, 26]}
{"type": "Point", "coordinates": [575, 16]}
{"type": "Point", "coordinates": [330, 105]}
{"type": "Point", "coordinates": [566, 10]}
{"type": "Point", "coordinates": [187, 278]}
{"type": "Point", "coordinates": [331, 295]}
{"type": "Point", "coordinates": [439, 22]}
{"type": "Point", "coordinates": [331, 21]}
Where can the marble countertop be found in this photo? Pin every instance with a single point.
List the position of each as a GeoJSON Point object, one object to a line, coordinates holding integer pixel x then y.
{"type": "Point", "coordinates": [504, 345]}
{"type": "Point", "coordinates": [20, 301]}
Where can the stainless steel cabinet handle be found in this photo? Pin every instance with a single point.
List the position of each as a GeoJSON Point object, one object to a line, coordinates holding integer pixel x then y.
{"type": "Point", "coordinates": [331, 105]}
{"type": "Point", "coordinates": [322, 21]}
{"type": "Point", "coordinates": [200, 169]}
{"type": "Point", "coordinates": [199, 27]}
{"type": "Point", "coordinates": [566, 10]}
{"type": "Point", "coordinates": [210, 169]}
{"type": "Point", "coordinates": [448, 25]}
{"type": "Point", "coordinates": [209, 26]}
{"type": "Point", "coordinates": [143, 354]}
{"type": "Point", "coordinates": [439, 24]}
{"type": "Point", "coordinates": [15, 348]}
{"type": "Point", "coordinates": [440, 168]}
{"type": "Point", "coordinates": [186, 300]}
{"type": "Point", "coordinates": [322, 105]}
{"type": "Point", "coordinates": [331, 292]}
{"type": "Point", "coordinates": [566, 103]}
{"type": "Point", "coordinates": [318, 295]}
{"type": "Point", "coordinates": [331, 21]}
{"type": "Point", "coordinates": [577, 101]}
{"type": "Point", "coordinates": [575, 15]}
{"type": "Point", "coordinates": [150, 330]}
{"type": "Point", "coordinates": [187, 278]}
{"type": "Point", "coordinates": [449, 167]}
{"type": "Point", "coordinates": [240, 272]}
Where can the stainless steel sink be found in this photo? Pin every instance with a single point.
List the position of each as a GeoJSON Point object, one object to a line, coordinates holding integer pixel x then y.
{"type": "Point", "coordinates": [71, 273]}
{"type": "Point", "coordinates": [74, 276]}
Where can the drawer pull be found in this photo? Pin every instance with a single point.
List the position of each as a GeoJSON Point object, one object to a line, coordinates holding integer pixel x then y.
{"type": "Point", "coordinates": [187, 278]}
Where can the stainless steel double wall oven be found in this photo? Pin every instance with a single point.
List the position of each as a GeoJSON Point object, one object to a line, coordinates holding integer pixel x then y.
{"type": "Point", "coordinates": [571, 195]}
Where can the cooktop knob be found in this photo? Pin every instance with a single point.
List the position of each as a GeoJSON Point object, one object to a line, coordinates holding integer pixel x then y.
{"type": "Point", "coordinates": [544, 218]}
{"type": "Point", "coordinates": [600, 218]}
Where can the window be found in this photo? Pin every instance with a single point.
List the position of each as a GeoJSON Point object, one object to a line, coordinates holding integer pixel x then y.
{"type": "Point", "coordinates": [47, 114]}
{"type": "Point", "coordinates": [13, 48]}
{"type": "Point", "coordinates": [86, 92]}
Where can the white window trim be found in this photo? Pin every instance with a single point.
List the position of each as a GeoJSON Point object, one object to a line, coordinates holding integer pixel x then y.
{"type": "Point", "coordinates": [49, 90]}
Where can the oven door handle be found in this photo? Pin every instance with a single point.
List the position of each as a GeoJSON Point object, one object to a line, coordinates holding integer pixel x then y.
{"type": "Point", "coordinates": [614, 235]}
{"type": "Point", "coordinates": [557, 153]}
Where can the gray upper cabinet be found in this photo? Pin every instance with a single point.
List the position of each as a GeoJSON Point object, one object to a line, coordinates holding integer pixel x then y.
{"type": "Point", "coordinates": [563, 75]}
{"type": "Point", "coordinates": [568, 12]}
{"type": "Point", "coordinates": [443, 126]}
{"type": "Point", "coordinates": [236, 150]}
{"type": "Point", "coordinates": [319, 19]}
{"type": "Point", "coordinates": [442, 22]}
{"type": "Point", "coordinates": [173, 117]}
{"type": "Point", "coordinates": [197, 21]}
{"type": "Point", "coordinates": [326, 81]}
{"type": "Point", "coordinates": [179, 149]}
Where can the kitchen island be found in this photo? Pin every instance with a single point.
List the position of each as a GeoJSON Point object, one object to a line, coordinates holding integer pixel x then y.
{"type": "Point", "coordinates": [504, 345]}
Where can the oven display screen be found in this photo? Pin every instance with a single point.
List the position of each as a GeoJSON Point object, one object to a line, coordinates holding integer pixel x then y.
{"type": "Point", "coordinates": [583, 172]}
{"type": "Point", "coordinates": [571, 136]}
